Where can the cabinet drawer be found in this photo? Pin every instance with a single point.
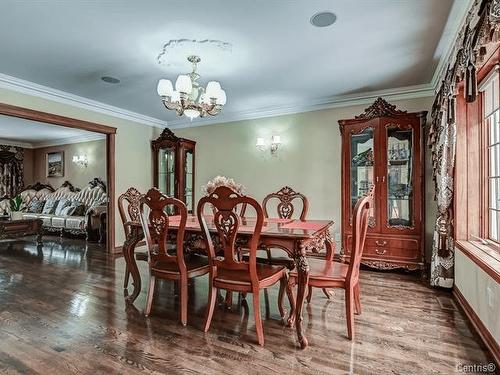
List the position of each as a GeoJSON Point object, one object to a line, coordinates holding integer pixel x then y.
{"type": "Point", "coordinates": [390, 252]}
{"type": "Point", "coordinates": [404, 248]}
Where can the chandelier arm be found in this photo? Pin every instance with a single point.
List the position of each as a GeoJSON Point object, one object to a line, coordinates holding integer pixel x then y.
{"type": "Point", "coordinates": [215, 110]}
{"type": "Point", "coordinates": [170, 105]}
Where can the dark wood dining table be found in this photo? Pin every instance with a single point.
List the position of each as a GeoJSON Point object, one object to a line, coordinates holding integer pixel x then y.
{"type": "Point", "coordinates": [297, 238]}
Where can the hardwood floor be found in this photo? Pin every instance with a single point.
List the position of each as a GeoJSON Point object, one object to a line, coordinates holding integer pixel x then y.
{"type": "Point", "coordinates": [62, 311]}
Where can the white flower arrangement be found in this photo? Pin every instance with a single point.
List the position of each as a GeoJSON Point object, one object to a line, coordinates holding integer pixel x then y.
{"type": "Point", "coordinates": [222, 181]}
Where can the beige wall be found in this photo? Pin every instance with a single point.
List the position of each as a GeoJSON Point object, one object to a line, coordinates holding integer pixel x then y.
{"type": "Point", "coordinates": [77, 175]}
{"type": "Point", "coordinates": [133, 155]}
{"type": "Point", "coordinates": [480, 290]}
{"type": "Point", "coordinates": [309, 159]}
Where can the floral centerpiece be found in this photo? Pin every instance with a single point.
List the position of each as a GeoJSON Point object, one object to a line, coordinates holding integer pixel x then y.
{"type": "Point", "coordinates": [222, 181]}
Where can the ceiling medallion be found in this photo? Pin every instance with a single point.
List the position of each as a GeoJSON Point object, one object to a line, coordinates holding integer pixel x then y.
{"type": "Point", "coordinates": [204, 47]}
{"type": "Point", "coordinates": [189, 98]}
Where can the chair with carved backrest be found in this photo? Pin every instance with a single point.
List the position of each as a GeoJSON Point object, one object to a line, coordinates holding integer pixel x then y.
{"type": "Point", "coordinates": [285, 209]}
{"type": "Point", "coordinates": [166, 262]}
{"type": "Point", "coordinates": [228, 271]}
{"type": "Point", "coordinates": [128, 206]}
{"type": "Point", "coordinates": [324, 273]}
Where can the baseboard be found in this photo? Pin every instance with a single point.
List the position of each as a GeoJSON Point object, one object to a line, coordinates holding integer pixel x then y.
{"type": "Point", "coordinates": [478, 325]}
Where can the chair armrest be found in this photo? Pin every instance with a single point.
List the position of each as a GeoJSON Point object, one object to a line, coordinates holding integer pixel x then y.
{"type": "Point", "coordinates": [97, 210]}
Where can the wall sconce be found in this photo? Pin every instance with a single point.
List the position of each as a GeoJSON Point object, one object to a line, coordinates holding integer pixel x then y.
{"type": "Point", "coordinates": [275, 143]}
{"type": "Point", "coordinates": [81, 160]}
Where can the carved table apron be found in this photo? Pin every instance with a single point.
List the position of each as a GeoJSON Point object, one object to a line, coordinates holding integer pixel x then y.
{"type": "Point", "coordinates": [285, 234]}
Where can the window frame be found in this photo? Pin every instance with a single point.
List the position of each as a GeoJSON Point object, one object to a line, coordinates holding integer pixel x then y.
{"type": "Point", "coordinates": [485, 159]}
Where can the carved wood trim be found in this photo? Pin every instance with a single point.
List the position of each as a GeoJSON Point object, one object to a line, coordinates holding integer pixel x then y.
{"type": "Point", "coordinates": [70, 186]}
{"type": "Point", "coordinates": [39, 186]}
{"type": "Point", "coordinates": [98, 182]}
{"type": "Point", "coordinates": [380, 108]}
{"type": "Point", "coordinates": [167, 135]}
{"type": "Point", "coordinates": [386, 265]}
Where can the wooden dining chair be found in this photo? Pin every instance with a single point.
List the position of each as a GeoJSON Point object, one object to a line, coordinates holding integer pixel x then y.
{"type": "Point", "coordinates": [128, 206]}
{"type": "Point", "coordinates": [228, 271]}
{"type": "Point", "coordinates": [331, 274]}
{"type": "Point", "coordinates": [164, 262]}
{"type": "Point", "coordinates": [285, 209]}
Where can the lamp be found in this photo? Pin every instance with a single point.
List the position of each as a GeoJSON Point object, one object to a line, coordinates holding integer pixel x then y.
{"type": "Point", "coordinates": [275, 143]}
{"type": "Point", "coordinates": [81, 160]}
{"type": "Point", "coordinates": [190, 98]}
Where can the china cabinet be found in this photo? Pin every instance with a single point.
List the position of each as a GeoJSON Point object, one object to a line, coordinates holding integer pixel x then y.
{"type": "Point", "coordinates": [384, 146]}
{"type": "Point", "coordinates": [173, 167]}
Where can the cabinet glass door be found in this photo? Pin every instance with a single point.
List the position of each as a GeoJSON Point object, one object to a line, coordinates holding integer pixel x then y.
{"type": "Point", "coordinates": [362, 167]}
{"type": "Point", "coordinates": [188, 180]}
{"type": "Point", "coordinates": [166, 171]}
{"type": "Point", "coordinates": [400, 184]}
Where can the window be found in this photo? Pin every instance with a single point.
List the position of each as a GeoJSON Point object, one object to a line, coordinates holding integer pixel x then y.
{"type": "Point", "coordinates": [491, 123]}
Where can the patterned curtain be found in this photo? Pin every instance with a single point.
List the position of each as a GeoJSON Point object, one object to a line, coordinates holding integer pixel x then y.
{"type": "Point", "coordinates": [482, 26]}
{"type": "Point", "coordinates": [11, 171]}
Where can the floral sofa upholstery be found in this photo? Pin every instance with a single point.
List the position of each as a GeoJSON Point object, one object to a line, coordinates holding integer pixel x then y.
{"type": "Point", "coordinates": [91, 202]}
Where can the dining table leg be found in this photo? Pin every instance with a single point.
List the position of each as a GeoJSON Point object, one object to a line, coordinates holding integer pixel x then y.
{"type": "Point", "coordinates": [133, 238]}
{"type": "Point", "coordinates": [302, 281]}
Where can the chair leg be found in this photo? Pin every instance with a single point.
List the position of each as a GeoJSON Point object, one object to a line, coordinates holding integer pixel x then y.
{"type": "Point", "coordinates": [183, 297]}
{"type": "Point", "coordinates": [349, 311]}
{"type": "Point", "coordinates": [229, 299]}
{"type": "Point", "coordinates": [291, 300]}
{"type": "Point", "coordinates": [269, 255]}
{"type": "Point", "coordinates": [127, 277]}
{"type": "Point", "coordinates": [212, 295]}
{"type": "Point", "coordinates": [357, 300]}
{"type": "Point", "coordinates": [258, 320]}
{"type": "Point", "coordinates": [309, 294]}
{"type": "Point", "coordinates": [281, 296]}
{"type": "Point", "coordinates": [328, 293]}
{"type": "Point", "coordinates": [151, 293]}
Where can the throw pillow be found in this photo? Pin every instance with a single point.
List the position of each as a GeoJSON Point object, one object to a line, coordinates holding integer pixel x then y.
{"type": "Point", "coordinates": [61, 205]}
{"type": "Point", "coordinates": [79, 208]}
{"type": "Point", "coordinates": [68, 210]}
{"type": "Point", "coordinates": [50, 206]}
{"type": "Point", "coordinates": [35, 206]}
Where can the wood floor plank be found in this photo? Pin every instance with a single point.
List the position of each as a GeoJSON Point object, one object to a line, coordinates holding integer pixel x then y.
{"type": "Point", "coordinates": [62, 311]}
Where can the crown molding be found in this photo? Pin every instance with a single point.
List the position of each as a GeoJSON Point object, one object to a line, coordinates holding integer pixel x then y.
{"type": "Point", "coordinates": [70, 140]}
{"type": "Point", "coordinates": [8, 142]}
{"type": "Point", "coordinates": [59, 96]}
{"type": "Point", "coordinates": [456, 20]}
{"type": "Point", "coordinates": [55, 142]}
{"type": "Point", "coordinates": [401, 93]}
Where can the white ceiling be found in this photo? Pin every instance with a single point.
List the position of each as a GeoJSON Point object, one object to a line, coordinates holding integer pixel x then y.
{"type": "Point", "coordinates": [32, 134]}
{"type": "Point", "coordinates": [278, 59]}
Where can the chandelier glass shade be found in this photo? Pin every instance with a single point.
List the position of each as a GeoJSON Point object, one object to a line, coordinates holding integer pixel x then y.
{"type": "Point", "coordinates": [189, 98]}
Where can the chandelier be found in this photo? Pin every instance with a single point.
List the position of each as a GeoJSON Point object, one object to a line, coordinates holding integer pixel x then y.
{"type": "Point", "coordinates": [189, 98]}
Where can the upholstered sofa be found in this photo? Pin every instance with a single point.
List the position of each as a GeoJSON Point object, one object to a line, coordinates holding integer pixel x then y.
{"type": "Point", "coordinates": [55, 207]}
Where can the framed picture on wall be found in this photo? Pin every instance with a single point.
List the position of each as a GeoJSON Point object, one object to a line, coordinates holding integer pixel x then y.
{"type": "Point", "coordinates": [55, 164]}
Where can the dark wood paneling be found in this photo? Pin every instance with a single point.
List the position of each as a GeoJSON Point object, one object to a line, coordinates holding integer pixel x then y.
{"type": "Point", "coordinates": [31, 114]}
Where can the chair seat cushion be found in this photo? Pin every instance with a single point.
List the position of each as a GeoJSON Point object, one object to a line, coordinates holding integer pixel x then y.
{"type": "Point", "coordinates": [267, 275]}
{"type": "Point", "coordinates": [75, 222]}
{"type": "Point", "coordinates": [325, 270]}
{"type": "Point", "coordinates": [194, 264]}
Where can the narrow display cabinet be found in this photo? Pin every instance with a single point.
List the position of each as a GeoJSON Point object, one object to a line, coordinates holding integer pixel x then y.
{"type": "Point", "coordinates": [173, 167]}
{"type": "Point", "coordinates": [384, 146]}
